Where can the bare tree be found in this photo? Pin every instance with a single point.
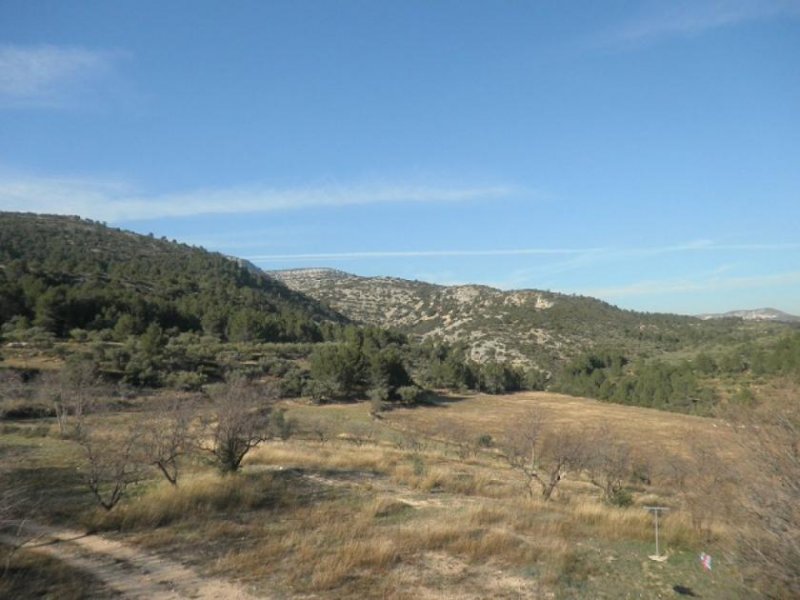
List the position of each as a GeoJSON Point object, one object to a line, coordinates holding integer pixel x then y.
{"type": "Point", "coordinates": [167, 437]}
{"type": "Point", "coordinates": [670, 469]}
{"type": "Point", "coordinates": [13, 504]}
{"type": "Point", "coordinates": [543, 457]}
{"type": "Point", "coordinates": [608, 461]}
{"type": "Point", "coordinates": [770, 531]}
{"type": "Point", "coordinates": [319, 430]}
{"type": "Point", "coordinates": [360, 433]}
{"type": "Point", "coordinates": [111, 463]}
{"type": "Point", "coordinates": [712, 487]}
{"type": "Point", "coordinates": [522, 448]}
{"type": "Point", "coordinates": [562, 450]}
{"type": "Point", "coordinates": [72, 392]}
{"type": "Point", "coordinates": [240, 421]}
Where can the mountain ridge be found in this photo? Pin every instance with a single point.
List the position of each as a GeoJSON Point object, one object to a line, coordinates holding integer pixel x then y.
{"type": "Point", "coordinates": [525, 327]}
{"type": "Point", "coordinates": [754, 314]}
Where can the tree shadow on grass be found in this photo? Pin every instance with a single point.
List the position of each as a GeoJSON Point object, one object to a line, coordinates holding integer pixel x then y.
{"type": "Point", "coordinates": [54, 494]}
{"type": "Point", "coordinates": [436, 400]}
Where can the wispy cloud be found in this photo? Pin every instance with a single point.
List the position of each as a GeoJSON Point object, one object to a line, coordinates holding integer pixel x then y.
{"type": "Point", "coordinates": [712, 284]}
{"type": "Point", "coordinates": [117, 201]}
{"type": "Point", "coordinates": [48, 75]}
{"type": "Point", "coordinates": [570, 258]}
{"type": "Point", "coordinates": [589, 259]}
{"type": "Point", "coordinates": [326, 256]}
{"type": "Point", "coordinates": [580, 257]}
{"type": "Point", "coordinates": [691, 17]}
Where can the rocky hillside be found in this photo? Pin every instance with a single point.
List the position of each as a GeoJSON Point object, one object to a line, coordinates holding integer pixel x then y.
{"type": "Point", "coordinates": [524, 326]}
{"type": "Point", "coordinates": [757, 314]}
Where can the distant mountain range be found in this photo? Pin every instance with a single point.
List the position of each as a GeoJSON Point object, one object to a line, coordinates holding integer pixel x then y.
{"type": "Point", "coordinates": [757, 314]}
{"type": "Point", "coordinates": [526, 327]}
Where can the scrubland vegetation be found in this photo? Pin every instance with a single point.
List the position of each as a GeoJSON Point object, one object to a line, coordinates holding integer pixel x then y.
{"type": "Point", "coordinates": [532, 495]}
{"type": "Point", "coordinates": [184, 404]}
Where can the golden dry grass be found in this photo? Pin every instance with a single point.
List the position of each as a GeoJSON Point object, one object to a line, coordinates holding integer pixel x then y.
{"type": "Point", "coordinates": [483, 512]}
{"type": "Point", "coordinates": [484, 414]}
{"type": "Point", "coordinates": [428, 520]}
{"type": "Point", "coordinates": [338, 546]}
{"type": "Point", "coordinates": [449, 476]}
{"type": "Point", "coordinates": [195, 498]}
{"type": "Point", "coordinates": [30, 574]}
{"type": "Point", "coordinates": [333, 456]}
{"type": "Point", "coordinates": [347, 546]}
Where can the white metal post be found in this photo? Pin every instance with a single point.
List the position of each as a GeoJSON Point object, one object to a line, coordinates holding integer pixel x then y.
{"type": "Point", "coordinates": [656, 510]}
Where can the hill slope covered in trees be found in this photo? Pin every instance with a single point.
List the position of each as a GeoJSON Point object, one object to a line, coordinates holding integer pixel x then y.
{"type": "Point", "coordinates": [153, 312]}
{"type": "Point", "coordinates": [64, 273]}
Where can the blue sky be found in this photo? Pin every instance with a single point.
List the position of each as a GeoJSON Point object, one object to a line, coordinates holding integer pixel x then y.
{"type": "Point", "coordinates": [647, 153]}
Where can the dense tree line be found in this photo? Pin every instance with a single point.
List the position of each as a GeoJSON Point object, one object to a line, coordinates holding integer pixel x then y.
{"type": "Point", "coordinates": [684, 386]}
{"type": "Point", "coordinates": [60, 274]}
{"type": "Point", "coordinates": [781, 358]}
{"type": "Point", "coordinates": [366, 360]}
{"type": "Point", "coordinates": [442, 365]}
{"type": "Point", "coordinates": [386, 366]}
{"type": "Point", "coordinates": [608, 375]}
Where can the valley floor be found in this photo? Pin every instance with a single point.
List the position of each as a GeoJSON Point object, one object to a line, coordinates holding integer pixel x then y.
{"type": "Point", "coordinates": [399, 506]}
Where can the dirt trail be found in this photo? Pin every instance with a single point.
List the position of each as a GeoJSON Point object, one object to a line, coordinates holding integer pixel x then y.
{"type": "Point", "coordinates": [128, 571]}
{"type": "Point", "coordinates": [383, 485]}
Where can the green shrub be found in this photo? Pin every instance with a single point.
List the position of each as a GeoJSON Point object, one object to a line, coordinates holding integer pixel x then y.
{"type": "Point", "coordinates": [378, 394]}
{"type": "Point", "coordinates": [622, 498]}
{"type": "Point", "coordinates": [410, 394]}
{"type": "Point", "coordinates": [189, 381]}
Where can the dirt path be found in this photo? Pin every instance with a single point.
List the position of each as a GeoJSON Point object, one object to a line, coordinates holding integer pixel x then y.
{"type": "Point", "coordinates": [382, 484]}
{"type": "Point", "coordinates": [129, 571]}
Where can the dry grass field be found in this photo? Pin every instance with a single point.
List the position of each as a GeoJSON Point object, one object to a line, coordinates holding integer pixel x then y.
{"type": "Point", "coordinates": [407, 506]}
{"type": "Point", "coordinates": [481, 414]}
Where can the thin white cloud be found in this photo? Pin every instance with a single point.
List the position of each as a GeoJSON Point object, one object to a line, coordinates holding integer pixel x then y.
{"type": "Point", "coordinates": [712, 284]}
{"type": "Point", "coordinates": [691, 17]}
{"type": "Point", "coordinates": [575, 257]}
{"type": "Point", "coordinates": [588, 259]}
{"type": "Point", "coordinates": [326, 256]}
{"type": "Point", "coordinates": [48, 75]}
{"type": "Point", "coordinates": [118, 202]}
